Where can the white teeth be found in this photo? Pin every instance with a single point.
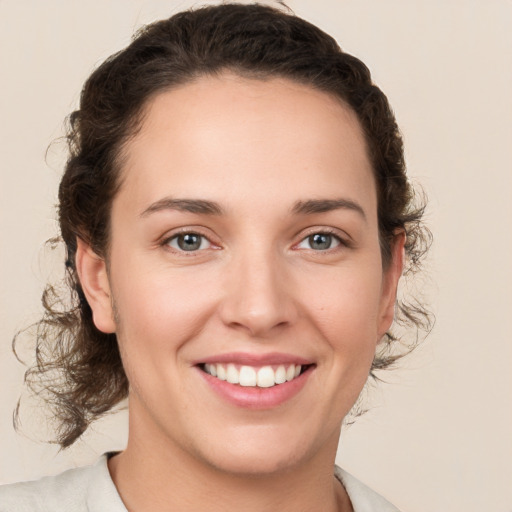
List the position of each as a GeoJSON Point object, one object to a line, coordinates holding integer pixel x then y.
{"type": "Point", "coordinates": [232, 375]}
{"type": "Point", "coordinates": [247, 376]}
{"type": "Point", "coordinates": [221, 372]}
{"type": "Point", "coordinates": [211, 369]}
{"type": "Point", "coordinates": [266, 377]}
{"type": "Point", "coordinates": [280, 375]}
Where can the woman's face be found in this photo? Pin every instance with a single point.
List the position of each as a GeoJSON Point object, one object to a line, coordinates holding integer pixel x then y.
{"type": "Point", "coordinates": [244, 244]}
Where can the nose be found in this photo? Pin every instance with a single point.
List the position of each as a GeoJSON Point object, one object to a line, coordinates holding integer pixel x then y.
{"type": "Point", "coordinates": [258, 295]}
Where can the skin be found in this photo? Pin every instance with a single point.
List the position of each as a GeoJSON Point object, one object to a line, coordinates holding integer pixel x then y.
{"type": "Point", "coordinates": [256, 285]}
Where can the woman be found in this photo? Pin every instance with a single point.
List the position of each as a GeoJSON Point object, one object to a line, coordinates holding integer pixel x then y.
{"type": "Point", "coordinates": [237, 217]}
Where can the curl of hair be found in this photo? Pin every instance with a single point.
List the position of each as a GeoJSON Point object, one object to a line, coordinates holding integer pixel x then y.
{"type": "Point", "coordinates": [78, 369]}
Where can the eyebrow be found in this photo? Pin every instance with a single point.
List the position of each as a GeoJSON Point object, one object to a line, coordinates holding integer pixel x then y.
{"type": "Point", "coordinates": [200, 206]}
{"type": "Point", "coordinates": [326, 205]}
{"type": "Point", "coordinates": [205, 207]}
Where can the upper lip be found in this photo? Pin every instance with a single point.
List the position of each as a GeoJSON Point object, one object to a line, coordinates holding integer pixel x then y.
{"type": "Point", "coordinates": [243, 358]}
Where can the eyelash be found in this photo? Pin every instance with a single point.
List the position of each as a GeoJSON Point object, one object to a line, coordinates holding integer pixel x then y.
{"type": "Point", "coordinates": [341, 242]}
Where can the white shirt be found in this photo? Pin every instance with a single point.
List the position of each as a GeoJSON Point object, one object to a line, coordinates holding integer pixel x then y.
{"type": "Point", "coordinates": [91, 489]}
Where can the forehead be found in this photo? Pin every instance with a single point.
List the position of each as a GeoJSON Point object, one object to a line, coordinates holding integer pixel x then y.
{"type": "Point", "coordinates": [247, 139]}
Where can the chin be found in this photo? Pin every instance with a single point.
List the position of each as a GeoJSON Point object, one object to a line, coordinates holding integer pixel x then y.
{"type": "Point", "coordinates": [256, 464]}
{"type": "Point", "coordinates": [258, 455]}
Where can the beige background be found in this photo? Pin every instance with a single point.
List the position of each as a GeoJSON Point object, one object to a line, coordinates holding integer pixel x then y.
{"type": "Point", "coordinates": [439, 435]}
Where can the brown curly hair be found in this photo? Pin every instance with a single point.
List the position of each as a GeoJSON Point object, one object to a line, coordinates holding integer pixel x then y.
{"type": "Point", "coordinates": [78, 369]}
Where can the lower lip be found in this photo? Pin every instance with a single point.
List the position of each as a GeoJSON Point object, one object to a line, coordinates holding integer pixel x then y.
{"type": "Point", "coordinates": [255, 397]}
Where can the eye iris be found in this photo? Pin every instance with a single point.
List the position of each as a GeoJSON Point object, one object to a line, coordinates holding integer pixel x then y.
{"type": "Point", "coordinates": [189, 242]}
{"type": "Point", "coordinates": [320, 241]}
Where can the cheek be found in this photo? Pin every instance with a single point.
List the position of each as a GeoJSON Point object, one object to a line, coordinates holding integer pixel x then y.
{"type": "Point", "coordinates": [157, 318]}
{"type": "Point", "coordinates": [349, 303]}
{"type": "Point", "coordinates": [158, 310]}
{"type": "Point", "coordinates": [162, 314]}
{"type": "Point", "coordinates": [347, 316]}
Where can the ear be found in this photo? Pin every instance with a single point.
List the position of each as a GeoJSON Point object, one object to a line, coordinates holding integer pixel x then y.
{"type": "Point", "coordinates": [92, 272]}
{"type": "Point", "coordinates": [390, 279]}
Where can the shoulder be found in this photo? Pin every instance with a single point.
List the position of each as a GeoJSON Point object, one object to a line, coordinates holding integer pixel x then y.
{"type": "Point", "coordinates": [86, 489]}
{"type": "Point", "coordinates": [362, 497]}
{"type": "Point", "coordinates": [66, 491]}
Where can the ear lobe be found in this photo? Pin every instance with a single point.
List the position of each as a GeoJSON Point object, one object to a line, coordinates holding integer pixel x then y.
{"type": "Point", "coordinates": [390, 279]}
{"type": "Point", "coordinates": [92, 272]}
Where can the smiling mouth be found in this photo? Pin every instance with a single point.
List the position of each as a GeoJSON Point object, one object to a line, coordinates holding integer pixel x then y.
{"type": "Point", "coordinates": [250, 376]}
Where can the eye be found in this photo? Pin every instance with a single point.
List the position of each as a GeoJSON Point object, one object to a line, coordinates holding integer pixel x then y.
{"type": "Point", "coordinates": [320, 242]}
{"type": "Point", "coordinates": [188, 242]}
